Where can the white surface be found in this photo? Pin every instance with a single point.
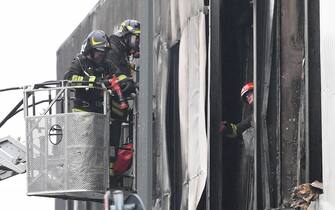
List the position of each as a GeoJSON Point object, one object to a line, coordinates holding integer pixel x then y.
{"type": "Point", "coordinates": [31, 32]}
{"type": "Point", "coordinates": [319, 204]}
{"type": "Point", "coordinates": [162, 170]}
{"type": "Point", "coordinates": [192, 93]}
{"type": "Point", "coordinates": [327, 49]}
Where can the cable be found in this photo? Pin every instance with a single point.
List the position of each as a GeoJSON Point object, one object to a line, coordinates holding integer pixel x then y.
{"type": "Point", "coordinates": [37, 103]}
{"type": "Point", "coordinates": [16, 109]}
{"type": "Point", "coordinates": [39, 85]}
{"type": "Point", "coordinates": [11, 113]}
{"type": "Point", "coordinates": [8, 89]}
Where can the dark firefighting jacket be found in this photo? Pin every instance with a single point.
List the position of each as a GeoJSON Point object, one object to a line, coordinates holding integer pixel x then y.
{"type": "Point", "coordinates": [117, 55]}
{"type": "Point", "coordinates": [84, 70]}
{"type": "Point", "coordinates": [118, 63]}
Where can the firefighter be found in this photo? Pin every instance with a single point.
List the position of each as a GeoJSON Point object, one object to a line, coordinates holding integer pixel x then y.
{"type": "Point", "coordinates": [131, 30]}
{"type": "Point", "coordinates": [232, 130]}
{"type": "Point", "coordinates": [125, 43]}
{"type": "Point", "coordinates": [244, 132]}
{"type": "Point", "coordinates": [124, 46]}
{"type": "Point", "coordinates": [89, 66]}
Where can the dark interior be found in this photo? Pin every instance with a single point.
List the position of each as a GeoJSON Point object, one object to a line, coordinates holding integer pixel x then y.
{"type": "Point", "coordinates": [236, 21]}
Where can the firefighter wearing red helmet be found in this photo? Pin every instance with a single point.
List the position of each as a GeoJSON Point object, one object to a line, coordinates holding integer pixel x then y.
{"type": "Point", "coordinates": [232, 130]}
{"type": "Point", "coordinates": [247, 93]}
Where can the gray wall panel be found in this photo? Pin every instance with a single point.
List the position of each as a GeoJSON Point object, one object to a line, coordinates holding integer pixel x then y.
{"type": "Point", "coordinates": [292, 52]}
{"type": "Point", "coordinates": [106, 16]}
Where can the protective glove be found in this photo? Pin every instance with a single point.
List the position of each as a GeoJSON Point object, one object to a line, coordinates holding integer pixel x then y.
{"type": "Point", "coordinates": [228, 129]}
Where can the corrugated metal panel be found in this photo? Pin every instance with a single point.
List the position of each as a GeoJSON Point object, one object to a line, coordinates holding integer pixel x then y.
{"type": "Point", "coordinates": [265, 39]}
{"type": "Point", "coordinates": [292, 54]}
{"type": "Point", "coordinates": [281, 100]}
{"type": "Point", "coordinates": [215, 103]}
{"type": "Point", "coordinates": [192, 93]}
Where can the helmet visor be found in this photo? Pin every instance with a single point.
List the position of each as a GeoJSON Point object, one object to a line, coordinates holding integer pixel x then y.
{"type": "Point", "coordinates": [100, 49]}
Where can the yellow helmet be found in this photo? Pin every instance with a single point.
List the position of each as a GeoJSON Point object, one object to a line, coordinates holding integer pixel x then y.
{"type": "Point", "coordinates": [132, 26]}
{"type": "Point", "coordinates": [95, 40]}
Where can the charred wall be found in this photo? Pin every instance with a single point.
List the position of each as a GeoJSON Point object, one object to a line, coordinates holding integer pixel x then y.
{"type": "Point", "coordinates": [173, 130]}
{"type": "Point", "coordinates": [288, 100]}
{"type": "Point", "coordinates": [292, 54]}
{"type": "Point", "coordinates": [315, 147]}
{"type": "Point", "coordinates": [215, 60]}
{"type": "Point", "coordinates": [288, 138]}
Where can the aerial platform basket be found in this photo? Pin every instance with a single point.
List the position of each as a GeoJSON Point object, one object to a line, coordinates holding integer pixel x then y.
{"type": "Point", "coordinates": [67, 152]}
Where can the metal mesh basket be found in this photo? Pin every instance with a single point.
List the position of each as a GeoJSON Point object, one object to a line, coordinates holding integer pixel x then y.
{"type": "Point", "coordinates": [68, 155]}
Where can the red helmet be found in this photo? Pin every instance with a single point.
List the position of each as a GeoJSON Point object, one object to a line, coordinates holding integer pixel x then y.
{"type": "Point", "coordinates": [246, 88]}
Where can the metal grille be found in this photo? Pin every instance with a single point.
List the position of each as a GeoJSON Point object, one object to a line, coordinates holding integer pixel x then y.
{"type": "Point", "coordinates": [67, 153]}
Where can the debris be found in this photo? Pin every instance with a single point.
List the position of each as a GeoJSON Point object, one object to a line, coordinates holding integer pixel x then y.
{"type": "Point", "coordinates": [318, 185]}
{"type": "Point", "coordinates": [304, 194]}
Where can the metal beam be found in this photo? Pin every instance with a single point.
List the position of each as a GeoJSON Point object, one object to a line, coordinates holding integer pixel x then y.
{"type": "Point", "coordinates": [314, 90]}
{"type": "Point", "coordinates": [255, 101]}
{"type": "Point", "coordinates": [306, 69]}
{"type": "Point", "coordinates": [292, 54]}
{"type": "Point", "coordinates": [144, 141]}
{"type": "Point", "coordinates": [215, 170]}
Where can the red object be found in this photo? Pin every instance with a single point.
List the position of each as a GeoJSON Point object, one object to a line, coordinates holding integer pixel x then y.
{"type": "Point", "coordinates": [114, 82]}
{"type": "Point", "coordinates": [246, 88]}
{"type": "Point", "coordinates": [223, 127]}
{"type": "Point", "coordinates": [123, 105]}
{"type": "Point", "coordinates": [123, 159]}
